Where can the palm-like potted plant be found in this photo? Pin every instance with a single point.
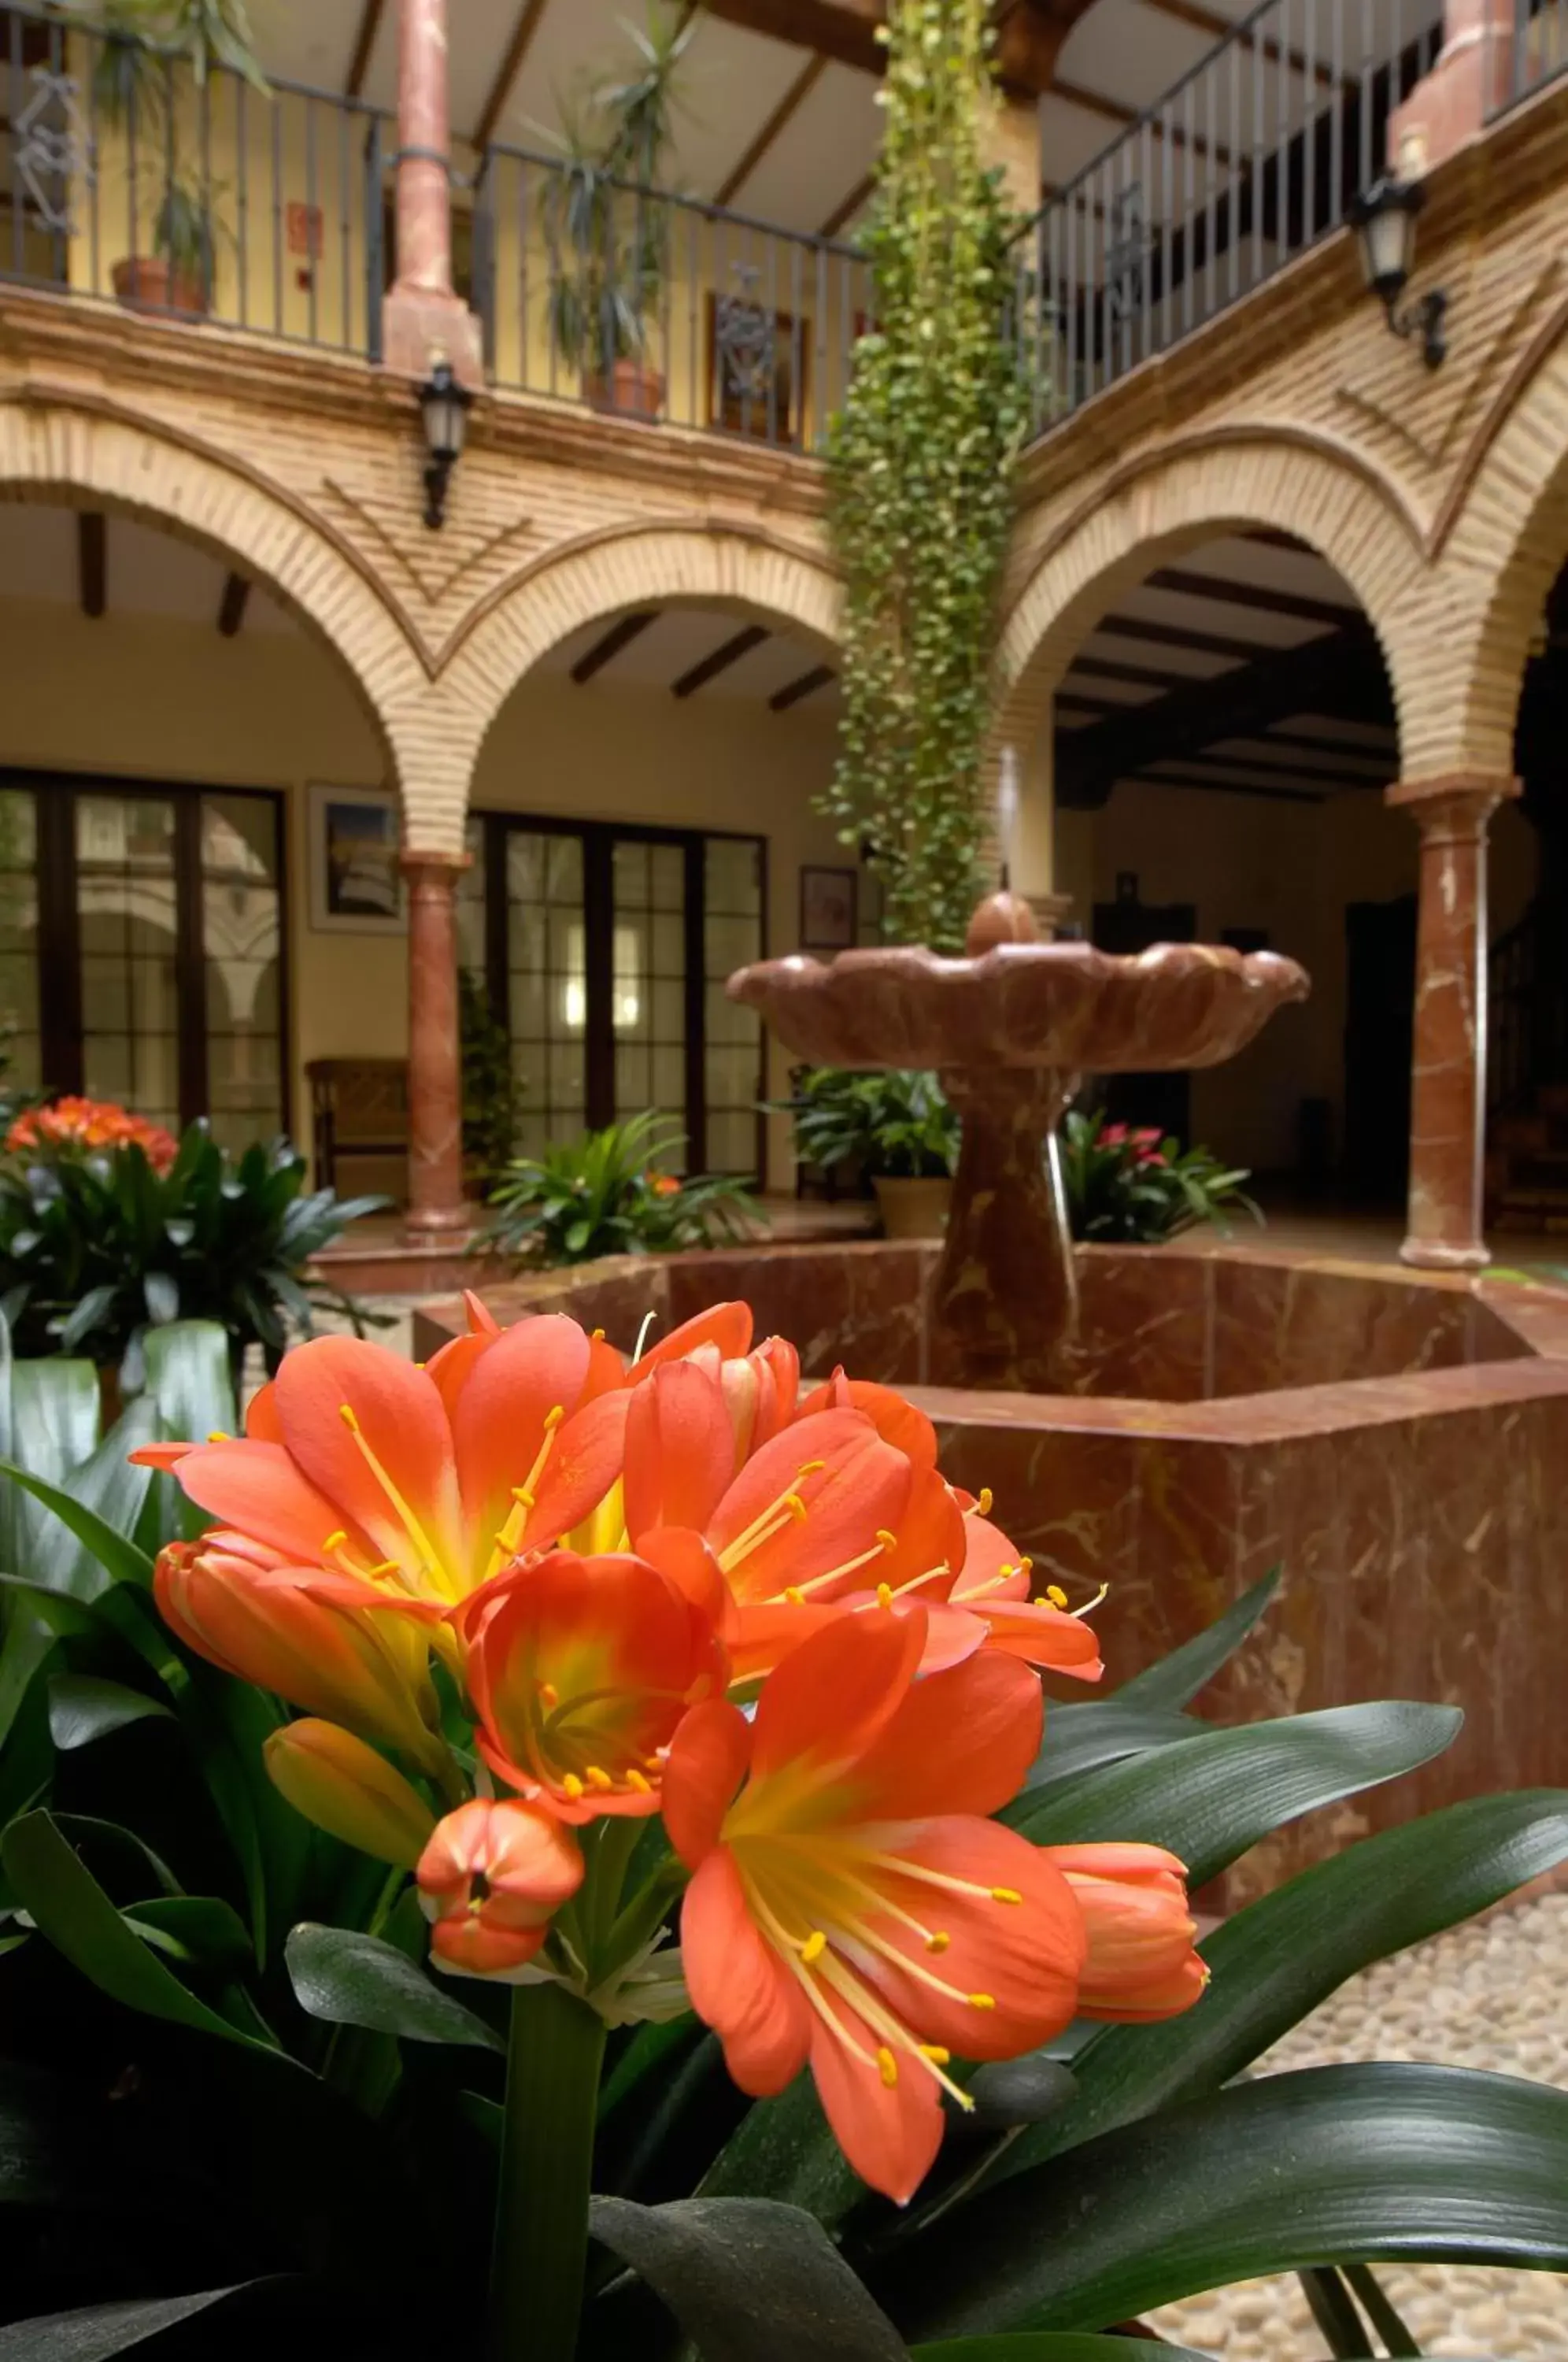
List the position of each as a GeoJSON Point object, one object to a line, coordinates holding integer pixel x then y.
{"type": "Point", "coordinates": [607, 222]}
{"type": "Point", "coordinates": [896, 1127]}
{"type": "Point", "coordinates": [136, 91]}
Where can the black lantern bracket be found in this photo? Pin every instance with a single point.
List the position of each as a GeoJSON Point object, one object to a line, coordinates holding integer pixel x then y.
{"type": "Point", "coordinates": [1384, 218]}
{"type": "Point", "coordinates": [444, 406]}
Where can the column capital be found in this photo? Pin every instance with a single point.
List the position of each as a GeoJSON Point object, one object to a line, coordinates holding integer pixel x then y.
{"type": "Point", "coordinates": [1454, 805]}
{"type": "Point", "coordinates": [442, 869]}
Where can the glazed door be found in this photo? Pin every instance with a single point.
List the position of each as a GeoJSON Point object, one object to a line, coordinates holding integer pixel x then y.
{"type": "Point", "coordinates": [1380, 1012]}
{"type": "Point", "coordinates": [1166, 1101]}
{"type": "Point", "coordinates": [604, 950]}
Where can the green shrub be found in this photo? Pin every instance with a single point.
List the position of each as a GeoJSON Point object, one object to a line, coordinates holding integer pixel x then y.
{"type": "Point", "coordinates": [895, 1124]}
{"type": "Point", "coordinates": [1136, 1187]}
{"type": "Point", "coordinates": [98, 1246]}
{"type": "Point", "coordinates": [604, 1194]}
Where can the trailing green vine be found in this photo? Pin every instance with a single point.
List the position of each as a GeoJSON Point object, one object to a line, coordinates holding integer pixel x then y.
{"type": "Point", "coordinates": [920, 477]}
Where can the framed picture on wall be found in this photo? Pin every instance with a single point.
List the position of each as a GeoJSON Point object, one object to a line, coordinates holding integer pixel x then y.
{"type": "Point", "coordinates": [828, 921]}
{"type": "Point", "coordinates": [356, 887]}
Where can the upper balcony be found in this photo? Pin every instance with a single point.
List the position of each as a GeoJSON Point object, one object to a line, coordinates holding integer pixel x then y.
{"type": "Point", "coordinates": [734, 307]}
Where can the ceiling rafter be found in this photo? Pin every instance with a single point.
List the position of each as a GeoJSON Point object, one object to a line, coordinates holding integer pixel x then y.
{"type": "Point", "coordinates": [232, 605]}
{"type": "Point", "coordinates": [1224, 29]}
{"type": "Point", "coordinates": [1029, 33]}
{"type": "Point", "coordinates": [93, 561]}
{"type": "Point", "coordinates": [805, 684]}
{"type": "Point", "coordinates": [370, 16]}
{"type": "Point", "coordinates": [850, 206]}
{"type": "Point", "coordinates": [1257, 595]}
{"type": "Point", "coordinates": [721, 660]}
{"type": "Point", "coordinates": [506, 73]}
{"type": "Point", "coordinates": [619, 635]}
{"type": "Point", "coordinates": [783, 115]}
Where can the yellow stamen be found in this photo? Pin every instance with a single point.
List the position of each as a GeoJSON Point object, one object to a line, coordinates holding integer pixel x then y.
{"type": "Point", "coordinates": [1090, 1605]}
{"type": "Point", "coordinates": [938, 1942]}
{"type": "Point", "coordinates": [549, 1696]}
{"type": "Point", "coordinates": [1027, 1564]}
{"type": "Point", "coordinates": [935, 2053]}
{"type": "Point", "coordinates": [573, 1786]}
{"type": "Point", "coordinates": [1006, 1895]}
{"type": "Point", "coordinates": [795, 1595]}
{"type": "Point", "coordinates": [982, 2001]}
{"type": "Point", "coordinates": [554, 1417]}
{"type": "Point", "coordinates": [815, 1946]}
{"type": "Point", "coordinates": [984, 1504]}
{"type": "Point", "coordinates": [336, 1540]}
{"type": "Point", "coordinates": [888, 1541]}
{"type": "Point", "coordinates": [346, 1413]}
{"type": "Point", "coordinates": [220, 1435]}
{"type": "Point", "coordinates": [888, 2068]}
{"type": "Point", "coordinates": [884, 1594]}
{"type": "Point", "coordinates": [598, 1777]}
{"type": "Point", "coordinates": [795, 1506]}
{"type": "Point", "coordinates": [635, 1781]}
{"type": "Point", "coordinates": [653, 1762]}
{"type": "Point", "coordinates": [596, 1336]}
{"type": "Point", "coordinates": [811, 1467]}
{"type": "Point", "coordinates": [1055, 1594]}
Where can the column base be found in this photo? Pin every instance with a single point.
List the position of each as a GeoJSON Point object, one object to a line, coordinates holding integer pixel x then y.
{"type": "Point", "coordinates": [419, 327]}
{"type": "Point", "coordinates": [1435, 1255]}
{"type": "Point", "coordinates": [438, 1226]}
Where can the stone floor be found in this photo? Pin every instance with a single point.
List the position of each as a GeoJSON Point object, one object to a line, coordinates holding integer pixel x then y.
{"type": "Point", "coordinates": [1488, 1995]}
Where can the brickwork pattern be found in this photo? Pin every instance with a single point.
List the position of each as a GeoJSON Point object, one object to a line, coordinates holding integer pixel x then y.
{"type": "Point", "coordinates": [1440, 497]}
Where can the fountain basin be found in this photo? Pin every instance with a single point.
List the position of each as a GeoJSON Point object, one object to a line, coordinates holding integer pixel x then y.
{"type": "Point", "coordinates": [1417, 1506]}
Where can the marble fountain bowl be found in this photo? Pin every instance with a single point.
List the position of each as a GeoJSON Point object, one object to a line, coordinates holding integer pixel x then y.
{"type": "Point", "coordinates": [1417, 1505]}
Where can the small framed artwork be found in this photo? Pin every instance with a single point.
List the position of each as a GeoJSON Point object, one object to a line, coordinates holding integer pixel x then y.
{"type": "Point", "coordinates": [356, 887]}
{"type": "Point", "coordinates": [828, 918]}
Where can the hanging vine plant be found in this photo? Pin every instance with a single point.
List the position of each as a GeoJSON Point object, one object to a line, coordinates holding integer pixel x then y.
{"type": "Point", "coordinates": [921, 464]}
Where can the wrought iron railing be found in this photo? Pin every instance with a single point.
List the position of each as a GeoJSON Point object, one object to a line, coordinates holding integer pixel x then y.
{"type": "Point", "coordinates": [661, 308]}
{"type": "Point", "coordinates": [1246, 164]}
{"type": "Point", "coordinates": [1533, 53]}
{"type": "Point", "coordinates": [125, 177]}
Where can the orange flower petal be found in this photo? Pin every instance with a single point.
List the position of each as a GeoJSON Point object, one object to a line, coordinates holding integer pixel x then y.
{"type": "Point", "coordinates": [738, 1984]}
{"type": "Point", "coordinates": [727, 1325]}
{"type": "Point", "coordinates": [679, 1449]}
{"type": "Point", "coordinates": [961, 1741]}
{"type": "Point", "coordinates": [897, 1421]}
{"type": "Point", "coordinates": [1042, 1635]}
{"type": "Point", "coordinates": [396, 1421]}
{"type": "Point", "coordinates": [834, 1694]}
{"type": "Point", "coordinates": [587, 1459]}
{"type": "Point", "coordinates": [889, 2132]}
{"type": "Point", "coordinates": [531, 1375]}
{"type": "Point", "coordinates": [258, 1489]}
{"type": "Point", "coordinates": [708, 1758]}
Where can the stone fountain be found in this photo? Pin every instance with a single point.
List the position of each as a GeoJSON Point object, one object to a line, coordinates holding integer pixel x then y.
{"type": "Point", "coordinates": [1012, 1028]}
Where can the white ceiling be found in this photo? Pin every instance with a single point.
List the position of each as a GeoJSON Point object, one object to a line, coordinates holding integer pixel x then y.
{"type": "Point", "coordinates": [148, 572]}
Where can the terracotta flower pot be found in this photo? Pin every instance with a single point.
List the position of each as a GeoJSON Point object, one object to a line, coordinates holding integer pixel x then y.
{"type": "Point", "coordinates": [149, 283]}
{"type": "Point", "coordinates": [913, 1209]}
{"type": "Point", "coordinates": [629, 390]}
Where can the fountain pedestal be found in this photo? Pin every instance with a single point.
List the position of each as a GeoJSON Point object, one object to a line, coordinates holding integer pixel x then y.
{"type": "Point", "coordinates": [1005, 1306]}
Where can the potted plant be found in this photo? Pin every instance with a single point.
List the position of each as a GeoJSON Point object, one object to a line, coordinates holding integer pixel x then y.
{"type": "Point", "coordinates": [606, 1193]}
{"type": "Point", "coordinates": [135, 90]}
{"type": "Point", "coordinates": [607, 223]}
{"type": "Point", "coordinates": [490, 1086]}
{"type": "Point", "coordinates": [899, 1130]}
{"type": "Point", "coordinates": [1134, 1187]}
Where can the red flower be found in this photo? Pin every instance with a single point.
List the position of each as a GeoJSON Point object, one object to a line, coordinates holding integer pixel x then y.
{"type": "Point", "coordinates": [491, 1879]}
{"type": "Point", "coordinates": [79, 1127]}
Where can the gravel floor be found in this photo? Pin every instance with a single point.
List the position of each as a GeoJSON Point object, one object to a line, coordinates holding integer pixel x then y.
{"type": "Point", "coordinates": [1487, 1995]}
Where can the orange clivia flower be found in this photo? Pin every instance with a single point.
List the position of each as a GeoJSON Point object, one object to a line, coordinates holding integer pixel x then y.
{"type": "Point", "coordinates": [252, 1615]}
{"type": "Point", "coordinates": [580, 1670]}
{"type": "Point", "coordinates": [82, 1126]}
{"type": "Point", "coordinates": [383, 1485]}
{"type": "Point", "coordinates": [1141, 1959]}
{"type": "Point", "coordinates": [760, 1386]}
{"type": "Point", "coordinates": [850, 1905]}
{"type": "Point", "coordinates": [491, 1879]}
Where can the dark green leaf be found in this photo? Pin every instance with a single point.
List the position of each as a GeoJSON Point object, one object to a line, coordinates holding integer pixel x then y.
{"type": "Point", "coordinates": [68, 1905]}
{"type": "Point", "coordinates": [1368, 2290]}
{"type": "Point", "coordinates": [749, 2281]}
{"type": "Point", "coordinates": [198, 1928]}
{"type": "Point", "coordinates": [188, 1377]}
{"type": "Point", "coordinates": [1079, 1738]}
{"type": "Point", "coordinates": [1341, 2164]}
{"type": "Point", "coordinates": [120, 1559]}
{"type": "Point", "coordinates": [82, 1709]}
{"type": "Point", "coordinates": [1211, 1797]}
{"type": "Point", "coordinates": [160, 1294]}
{"type": "Point", "coordinates": [1333, 2309]}
{"type": "Point", "coordinates": [1178, 1677]}
{"type": "Point", "coordinates": [1274, 1962]}
{"type": "Point", "coordinates": [99, 2331]}
{"type": "Point", "coordinates": [350, 1979]}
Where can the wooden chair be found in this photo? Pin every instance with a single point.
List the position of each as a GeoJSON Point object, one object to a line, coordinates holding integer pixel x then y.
{"type": "Point", "coordinates": [359, 1116]}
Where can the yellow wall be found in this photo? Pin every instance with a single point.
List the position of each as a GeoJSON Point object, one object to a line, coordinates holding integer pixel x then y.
{"type": "Point", "coordinates": [140, 697]}
{"type": "Point", "coordinates": [1289, 868]}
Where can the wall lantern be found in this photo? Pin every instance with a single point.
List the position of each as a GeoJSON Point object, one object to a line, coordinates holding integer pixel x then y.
{"type": "Point", "coordinates": [444, 407]}
{"type": "Point", "coordinates": [1385, 220]}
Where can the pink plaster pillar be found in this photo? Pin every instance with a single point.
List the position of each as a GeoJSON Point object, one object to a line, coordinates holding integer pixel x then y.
{"type": "Point", "coordinates": [436, 1206]}
{"type": "Point", "coordinates": [422, 320]}
{"type": "Point", "coordinates": [1448, 1076]}
{"type": "Point", "coordinates": [1470, 77]}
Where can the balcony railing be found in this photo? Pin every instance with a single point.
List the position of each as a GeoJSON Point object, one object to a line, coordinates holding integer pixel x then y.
{"type": "Point", "coordinates": [658, 307]}
{"type": "Point", "coordinates": [1251, 160]}
{"type": "Point", "coordinates": [123, 178]}
{"type": "Point", "coordinates": [1534, 54]}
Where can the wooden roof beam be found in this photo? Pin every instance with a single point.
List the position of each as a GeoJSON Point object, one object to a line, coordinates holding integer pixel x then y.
{"type": "Point", "coordinates": [93, 562]}
{"type": "Point", "coordinates": [364, 47]}
{"type": "Point", "coordinates": [721, 660]}
{"type": "Point", "coordinates": [619, 635]}
{"type": "Point", "coordinates": [1030, 33]}
{"type": "Point", "coordinates": [506, 73]}
{"type": "Point", "coordinates": [794, 98]}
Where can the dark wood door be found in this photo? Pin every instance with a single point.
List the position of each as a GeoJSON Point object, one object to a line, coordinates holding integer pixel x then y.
{"type": "Point", "coordinates": [1166, 1101]}
{"type": "Point", "coordinates": [1380, 1005]}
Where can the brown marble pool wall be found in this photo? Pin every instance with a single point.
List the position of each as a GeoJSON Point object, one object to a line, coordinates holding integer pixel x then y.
{"type": "Point", "coordinates": [1403, 1455]}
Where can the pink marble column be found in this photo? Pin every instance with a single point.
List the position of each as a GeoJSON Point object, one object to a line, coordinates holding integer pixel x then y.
{"type": "Point", "coordinates": [1448, 1078]}
{"type": "Point", "coordinates": [422, 319]}
{"type": "Point", "coordinates": [435, 1207]}
{"type": "Point", "coordinates": [1470, 77]}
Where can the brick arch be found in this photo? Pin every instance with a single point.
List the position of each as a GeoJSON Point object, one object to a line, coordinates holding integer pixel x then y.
{"type": "Point", "coordinates": [1508, 543]}
{"type": "Point", "coordinates": [1104, 546]}
{"type": "Point", "coordinates": [84, 451]}
{"type": "Point", "coordinates": [600, 575]}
